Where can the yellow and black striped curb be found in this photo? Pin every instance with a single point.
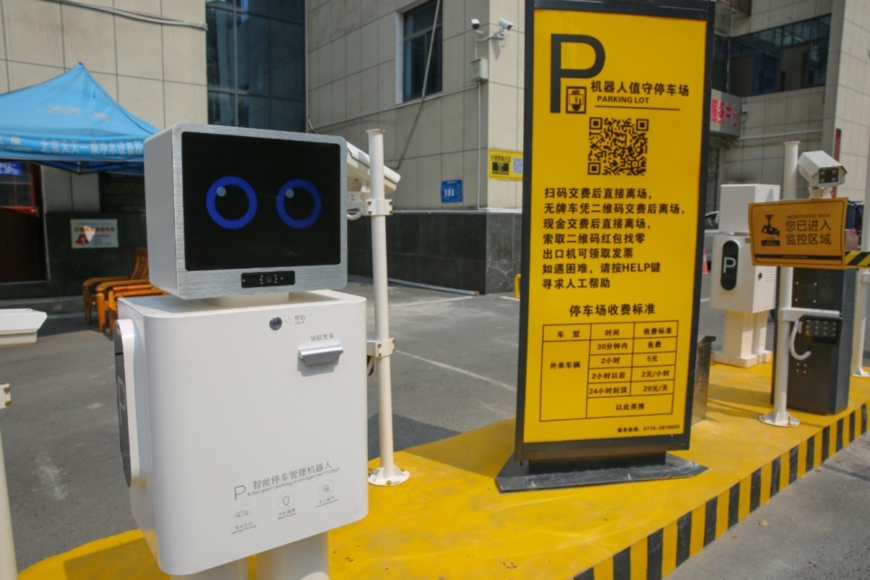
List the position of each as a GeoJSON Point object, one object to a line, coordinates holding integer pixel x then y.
{"type": "Point", "coordinates": [857, 260]}
{"type": "Point", "coordinates": [665, 549]}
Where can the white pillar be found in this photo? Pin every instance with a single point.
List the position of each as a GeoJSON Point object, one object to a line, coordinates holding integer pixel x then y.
{"type": "Point", "coordinates": [759, 337]}
{"type": "Point", "coordinates": [387, 473]}
{"type": "Point", "coordinates": [780, 416]}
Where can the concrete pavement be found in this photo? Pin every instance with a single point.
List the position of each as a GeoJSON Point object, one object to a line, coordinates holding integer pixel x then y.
{"type": "Point", "coordinates": [813, 530]}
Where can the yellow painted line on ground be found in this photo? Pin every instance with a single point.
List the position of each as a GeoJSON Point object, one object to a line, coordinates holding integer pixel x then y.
{"type": "Point", "coordinates": [450, 521]}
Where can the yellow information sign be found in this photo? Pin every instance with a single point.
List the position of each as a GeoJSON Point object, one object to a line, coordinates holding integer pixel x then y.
{"type": "Point", "coordinates": [505, 165]}
{"type": "Point", "coordinates": [806, 233]}
{"type": "Point", "coordinates": [615, 134]}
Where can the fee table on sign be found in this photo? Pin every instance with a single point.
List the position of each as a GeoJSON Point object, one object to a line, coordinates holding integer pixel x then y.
{"type": "Point", "coordinates": [593, 371]}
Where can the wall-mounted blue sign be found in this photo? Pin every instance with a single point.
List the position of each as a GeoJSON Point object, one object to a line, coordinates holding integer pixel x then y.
{"type": "Point", "coordinates": [14, 168]}
{"type": "Point", "coordinates": [451, 191]}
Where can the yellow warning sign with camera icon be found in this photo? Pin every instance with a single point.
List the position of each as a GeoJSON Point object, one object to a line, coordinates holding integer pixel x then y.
{"type": "Point", "coordinates": [806, 233]}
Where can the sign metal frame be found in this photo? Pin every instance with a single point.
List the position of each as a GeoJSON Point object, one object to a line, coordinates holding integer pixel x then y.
{"type": "Point", "coordinates": [646, 445]}
{"type": "Point", "coordinates": [799, 233]}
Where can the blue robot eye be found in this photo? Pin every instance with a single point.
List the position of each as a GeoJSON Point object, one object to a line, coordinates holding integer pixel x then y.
{"type": "Point", "coordinates": [219, 189]}
{"type": "Point", "coordinates": [289, 191]}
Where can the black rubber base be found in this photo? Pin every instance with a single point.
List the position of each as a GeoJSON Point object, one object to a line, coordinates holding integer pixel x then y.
{"type": "Point", "coordinates": [525, 476]}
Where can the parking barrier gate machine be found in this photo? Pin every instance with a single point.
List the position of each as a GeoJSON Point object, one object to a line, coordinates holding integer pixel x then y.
{"type": "Point", "coordinates": [242, 394]}
{"type": "Point", "coordinates": [746, 293]}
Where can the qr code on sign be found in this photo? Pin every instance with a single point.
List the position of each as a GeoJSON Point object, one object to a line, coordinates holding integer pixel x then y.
{"type": "Point", "coordinates": [618, 146]}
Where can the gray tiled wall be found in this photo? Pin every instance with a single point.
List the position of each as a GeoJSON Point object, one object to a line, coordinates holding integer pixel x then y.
{"type": "Point", "coordinates": [469, 251]}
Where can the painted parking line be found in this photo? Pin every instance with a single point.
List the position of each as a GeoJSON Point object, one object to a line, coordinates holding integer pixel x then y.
{"type": "Point", "coordinates": [454, 369]}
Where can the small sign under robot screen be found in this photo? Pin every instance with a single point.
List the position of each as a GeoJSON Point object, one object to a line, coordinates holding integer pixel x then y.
{"type": "Point", "coordinates": [244, 211]}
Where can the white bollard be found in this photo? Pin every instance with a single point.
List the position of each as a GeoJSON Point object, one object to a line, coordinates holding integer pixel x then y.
{"type": "Point", "coordinates": [387, 473]}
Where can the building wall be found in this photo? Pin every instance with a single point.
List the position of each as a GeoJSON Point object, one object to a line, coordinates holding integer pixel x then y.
{"type": "Point", "coordinates": [157, 72]}
{"type": "Point", "coordinates": [810, 116]}
{"type": "Point", "coordinates": [354, 52]}
{"type": "Point", "coordinates": [772, 13]}
{"type": "Point", "coordinates": [768, 122]}
{"type": "Point", "coordinates": [472, 250]}
{"type": "Point", "coordinates": [849, 67]}
{"type": "Point", "coordinates": [353, 86]}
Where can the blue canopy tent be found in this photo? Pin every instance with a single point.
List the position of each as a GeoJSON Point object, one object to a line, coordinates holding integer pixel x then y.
{"type": "Point", "coordinates": [71, 123]}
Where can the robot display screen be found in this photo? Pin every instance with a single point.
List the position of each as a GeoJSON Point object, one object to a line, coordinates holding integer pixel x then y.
{"type": "Point", "coordinates": [259, 202]}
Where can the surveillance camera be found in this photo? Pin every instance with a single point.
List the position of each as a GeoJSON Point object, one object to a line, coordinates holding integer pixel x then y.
{"type": "Point", "coordinates": [505, 23]}
{"type": "Point", "coordinates": [358, 170]}
{"type": "Point", "coordinates": [821, 170]}
{"type": "Point", "coordinates": [475, 23]}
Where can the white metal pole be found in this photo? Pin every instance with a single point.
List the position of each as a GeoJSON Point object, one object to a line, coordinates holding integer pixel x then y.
{"type": "Point", "coordinates": [307, 559]}
{"type": "Point", "coordinates": [387, 473]}
{"type": "Point", "coordinates": [236, 570]}
{"type": "Point", "coordinates": [860, 320]}
{"type": "Point", "coordinates": [780, 416]}
{"type": "Point", "coordinates": [8, 565]}
{"type": "Point", "coordinates": [759, 337]}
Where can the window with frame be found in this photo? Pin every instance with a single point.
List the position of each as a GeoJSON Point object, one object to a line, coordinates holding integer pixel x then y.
{"type": "Point", "coordinates": [19, 181]}
{"type": "Point", "coordinates": [255, 52]}
{"type": "Point", "coordinates": [418, 28]}
{"type": "Point", "coordinates": [786, 58]}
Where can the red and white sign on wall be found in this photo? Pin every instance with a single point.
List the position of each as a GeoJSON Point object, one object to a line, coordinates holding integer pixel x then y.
{"type": "Point", "coordinates": [95, 233]}
{"type": "Point", "coordinates": [725, 113]}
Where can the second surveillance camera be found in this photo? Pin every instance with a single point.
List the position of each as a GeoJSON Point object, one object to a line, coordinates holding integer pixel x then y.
{"type": "Point", "coordinates": [821, 170]}
{"type": "Point", "coordinates": [505, 23]}
{"type": "Point", "coordinates": [475, 24]}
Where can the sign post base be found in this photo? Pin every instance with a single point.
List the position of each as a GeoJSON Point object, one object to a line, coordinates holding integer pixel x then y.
{"type": "Point", "coordinates": [782, 419]}
{"type": "Point", "coordinates": [525, 475]}
{"type": "Point", "coordinates": [386, 477]}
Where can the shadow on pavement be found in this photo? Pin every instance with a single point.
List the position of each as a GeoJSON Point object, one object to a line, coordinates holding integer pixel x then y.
{"type": "Point", "coordinates": [55, 325]}
{"type": "Point", "coordinates": [406, 433]}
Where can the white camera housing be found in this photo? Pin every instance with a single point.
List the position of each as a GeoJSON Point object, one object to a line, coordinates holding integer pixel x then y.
{"type": "Point", "coordinates": [475, 23]}
{"type": "Point", "coordinates": [505, 24]}
{"type": "Point", "coordinates": [359, 184]}
{"type": "Point", "coordinates": [821, 170]}
{"type": "Point", "coordinates": [359, 171]}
